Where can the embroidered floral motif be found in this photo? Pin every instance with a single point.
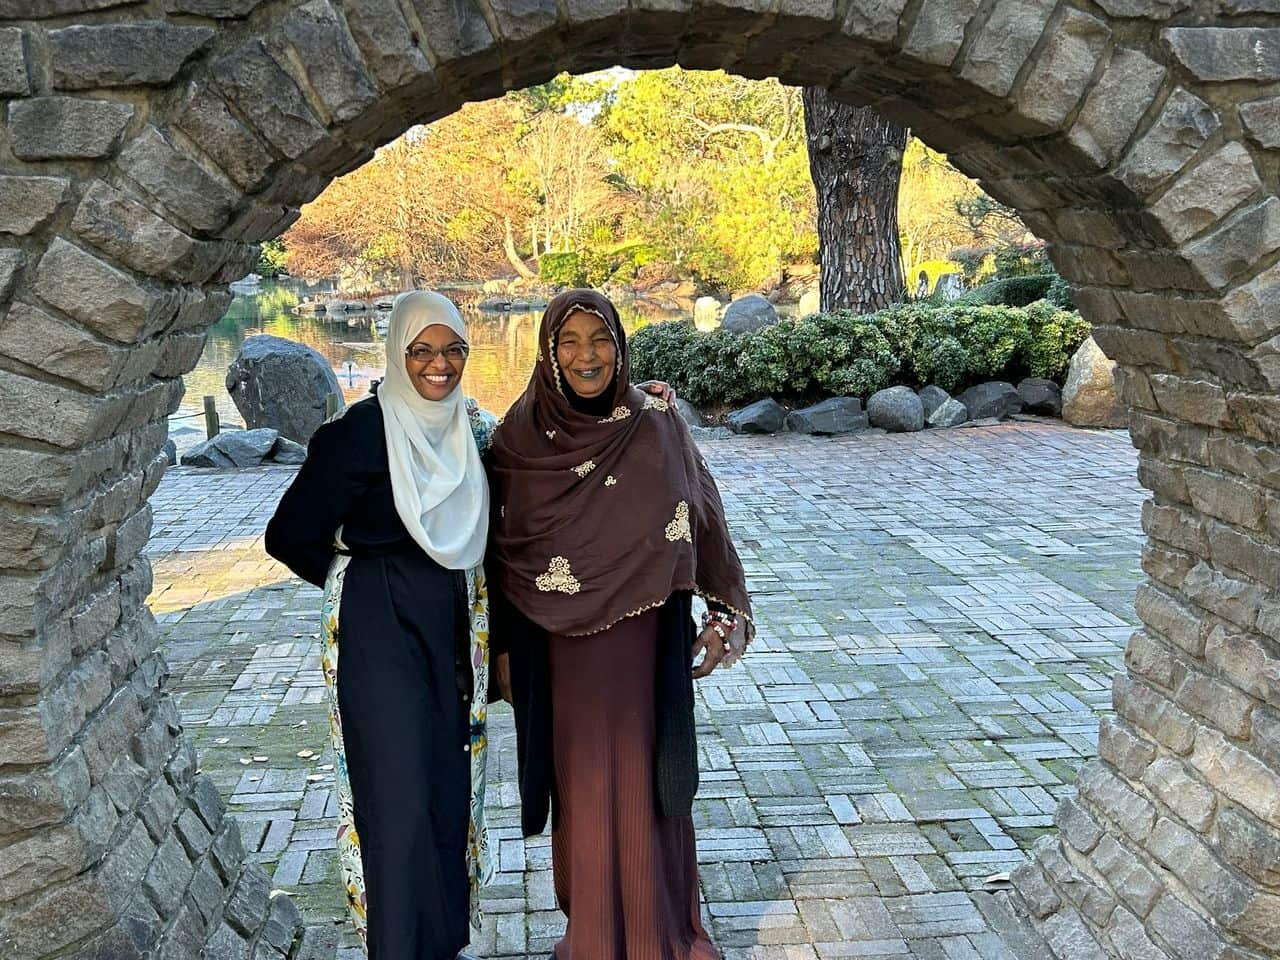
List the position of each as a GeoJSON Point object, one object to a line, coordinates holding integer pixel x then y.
{"type": "Point", "coordinates": [619, 413]}
{"type": "Point", "coordinates": [656, 403]}
{"type": "Point", "coordinates": [583, 469]}
{"type": "Point", "coordinates": [558, 578]}
{"type": "Point", "coordinates": [678, 528]}
{"type": "Point", "coordinates": [551, 434]}
{"type": "Point", "coordinates": [610, 480]}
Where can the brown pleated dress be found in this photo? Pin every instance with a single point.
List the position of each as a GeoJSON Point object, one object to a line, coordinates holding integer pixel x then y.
{"type": "Point", "coordinates": [626, 878]}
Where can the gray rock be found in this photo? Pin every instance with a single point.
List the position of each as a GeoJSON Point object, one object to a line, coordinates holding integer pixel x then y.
{"type": "Point", "coordinates": [932, 397]}
{"type": "Point", "coordinates": [214, 9]}
{"type": "Point", "coordinates": [763, 416]}
{"type": "Point", "coordinates": [710, 433]}
{"type": "Point", "coordinates": [27, 203]}
{"type": "Point", "coordinates": [692, 415]}
{"type": "Point", "coordinates": [225, 944]}
{"type": "Point", "coordinates": [329, 57]}
{"type": "Point", "coordinates": [281, 384]}
{"type": "Point", "coordinates": [122, 54]}
{"type": "Point", "coordinates": [897, 410]}
{"type": "Point", "coordinates": [389, 46]}
{"type": "Point", "coordinates": [951, 413]}
{"type": "Point", "coordinates": [246, 448]}
{"type": "Point", "coordinates": [749, 314]}
{"type": "Point", "coordinates": [66, 128]}
{"type": "Point", "coordinates": [11, 261]}
{"type": "Point", "coordinates": [286, 451]}
{"type": "Point", "coordinates": [283, 921]}
{"type": "Point", "coordinates": [1062, 73]}
{"type": "Point", "coordinates": [1003, 44]}
{"type": "Point", "coordinates": [177, 181]}
{"type": "Point", "coordinates": [1262, 121]}
{"type": "Point", "coordinates": [1205, 195]}
{"type": "Point", "coordinates": [1144, 9]}
{"type": "Point", "coordinates": [206, 119]}
{"type": "Point", "coordinates": [938, 31]}
{"type": "Point", "coordinates": [167, 877]}
{"type": "Point", "coordinates": [1183, 126]}
{"type": "Point", "coordinates": [1227, 53]}
{"type": "Point", "coordinates": [459, 27]}
{"type": "Point", "coordinates": [252, 81]}
{"type": "Point", "coordinates": [833, 416]}
{"type": "Point", "coordinates": [1089, 398]}
{"type": "Point", "coordinates": [1041, 396]}
{"type": "Point", "coordinates": [14, 81]}
{"type": "Point", "coordinates": [247, 908]}
{"type": "Point", "coordinates": [992, 399]}
{"type": "Point", "coordinates": [1115, 105]}
{"type": "Point", "coordinates": [206, 455]}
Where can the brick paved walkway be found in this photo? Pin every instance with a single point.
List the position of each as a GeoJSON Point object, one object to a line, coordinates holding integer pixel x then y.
{"type": "Point", "coordinates": [939, 614]}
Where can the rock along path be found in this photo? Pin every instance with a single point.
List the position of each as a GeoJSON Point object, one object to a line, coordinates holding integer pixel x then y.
{"type": "Point", "coordinates": [939, 615]}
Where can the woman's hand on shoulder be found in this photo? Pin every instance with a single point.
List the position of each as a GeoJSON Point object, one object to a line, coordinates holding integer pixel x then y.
{"type": "Point", "coordinates": [659, 388]}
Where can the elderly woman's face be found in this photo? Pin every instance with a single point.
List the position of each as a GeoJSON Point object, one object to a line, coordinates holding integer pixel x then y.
{"type": "Point", "coordinates": [435, 361]}
{"type": "Point", "coordinates": [586, 353]}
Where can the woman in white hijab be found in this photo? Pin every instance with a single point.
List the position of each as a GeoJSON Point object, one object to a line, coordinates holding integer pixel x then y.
{"type": "Point", "coordinates": [389, 514]}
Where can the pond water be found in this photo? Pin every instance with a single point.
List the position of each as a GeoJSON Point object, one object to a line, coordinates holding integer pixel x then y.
{"type": "Point", "coordinates": [502, 348]}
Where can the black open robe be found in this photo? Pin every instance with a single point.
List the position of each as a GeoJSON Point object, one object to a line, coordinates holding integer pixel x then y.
{"type": "Point", "coordinates": [404, 682]}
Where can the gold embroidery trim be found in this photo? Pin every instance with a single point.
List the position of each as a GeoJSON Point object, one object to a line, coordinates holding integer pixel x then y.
{"type": "Point", "coordinates": [619, 413]}
{"type": "Point", "coordinates": [559, 578]}
{"type": "Point", "coordinates": [656, 403]}
{"type": "Point", "coordinates": [678, 528]}
{"type": "Point", "coordinates": [583, 469]}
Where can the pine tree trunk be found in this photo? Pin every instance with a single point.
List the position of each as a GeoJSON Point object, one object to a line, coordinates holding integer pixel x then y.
{"type": "Point", "coordinates": [855, 159]}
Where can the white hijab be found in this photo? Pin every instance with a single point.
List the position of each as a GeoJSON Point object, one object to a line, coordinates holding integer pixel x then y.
{"type": "Point", "coordinates": [437, 479]}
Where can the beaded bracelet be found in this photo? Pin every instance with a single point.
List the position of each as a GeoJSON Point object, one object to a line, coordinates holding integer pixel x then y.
{"type": "Point", "coordinates": [722, 623]}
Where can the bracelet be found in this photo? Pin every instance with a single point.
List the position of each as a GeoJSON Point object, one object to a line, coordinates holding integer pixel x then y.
{"type": "Point", "coordinates": [722, 623]}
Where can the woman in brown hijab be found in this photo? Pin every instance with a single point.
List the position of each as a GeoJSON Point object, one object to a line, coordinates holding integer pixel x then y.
{"type": "Point", "coordinates": [605, 522]}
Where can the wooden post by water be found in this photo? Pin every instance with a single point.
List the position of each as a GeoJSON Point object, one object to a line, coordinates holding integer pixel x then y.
{"type": "Point", "coordinates": [212, 425]}
{"type": "Point", "coordinates": [330, 405]}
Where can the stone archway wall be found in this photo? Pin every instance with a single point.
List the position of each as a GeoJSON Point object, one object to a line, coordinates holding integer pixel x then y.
{"type": "Point", "coordinates": [146, 149]}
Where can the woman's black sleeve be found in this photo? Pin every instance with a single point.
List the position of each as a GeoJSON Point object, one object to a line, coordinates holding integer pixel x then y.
{"type": "Point", "coordinates": [300, 534]}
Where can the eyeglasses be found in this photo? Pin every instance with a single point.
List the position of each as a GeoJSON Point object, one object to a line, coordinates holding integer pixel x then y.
{"type": "Point", "coordinates": [423, 353]}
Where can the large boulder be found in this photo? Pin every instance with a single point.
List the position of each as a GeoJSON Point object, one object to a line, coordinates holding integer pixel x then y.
{"type": "Point", "coordinates": [286, 451]}
{"type": "Point", "coordinates": [281, 384]}
{"type": "Point", "coordinates": [897, 410]}
{"type": "Point", "coordinates": [1041, 396]}
{"type": "Point", "coordinates": [949, 413]}
{"type": "Point", "coordinates": [992, 399]}
{"type": "Point", "coordinates": [833, 416]}
{"type": "Point", "coordinates": [749, 314]}
{"type": "Point", "coordinates": [233, 448]}
{"type": "Point", "coordinates": [933, 397]}
{"type": "Point", "coordinates": [1089, 398]}
{"type": "Point", "coordinates": [763, 416]}
{"type": "Point", "coordinates": [692, 415]}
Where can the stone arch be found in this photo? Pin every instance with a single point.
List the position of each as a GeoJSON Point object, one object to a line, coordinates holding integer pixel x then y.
{"type": "Point", "coordinates": [144, 154]}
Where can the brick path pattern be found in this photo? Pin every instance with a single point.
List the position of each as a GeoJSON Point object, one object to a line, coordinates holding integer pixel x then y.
{"type": "Point", "coordinates": [940, 615]}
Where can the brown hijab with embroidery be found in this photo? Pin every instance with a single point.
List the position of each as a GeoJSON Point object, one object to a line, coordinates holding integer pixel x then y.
{"type": "Point", "coordinates": [600, 516]}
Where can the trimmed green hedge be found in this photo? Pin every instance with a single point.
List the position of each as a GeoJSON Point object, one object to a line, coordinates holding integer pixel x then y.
{"type": "Point", "coordinates": [846, 354]}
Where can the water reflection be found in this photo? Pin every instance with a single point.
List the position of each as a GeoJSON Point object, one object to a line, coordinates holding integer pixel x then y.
{"type": "Point", "coordinates": [502, 346]}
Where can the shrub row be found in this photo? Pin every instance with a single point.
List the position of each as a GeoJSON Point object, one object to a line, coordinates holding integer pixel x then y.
{"type": "Point", "coordinates": [847, 354]}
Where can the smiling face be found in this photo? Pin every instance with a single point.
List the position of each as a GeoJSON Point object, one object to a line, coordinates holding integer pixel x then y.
{"type": "Point", "coordinates": [587, 354]}
{"type": "Point", "coordinates": [438, 377]}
